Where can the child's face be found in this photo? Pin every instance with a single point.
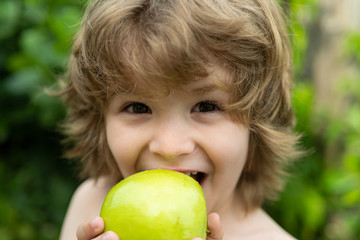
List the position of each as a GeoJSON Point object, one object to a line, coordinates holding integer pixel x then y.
{"type": "Point", "coordinates": [184, 131]}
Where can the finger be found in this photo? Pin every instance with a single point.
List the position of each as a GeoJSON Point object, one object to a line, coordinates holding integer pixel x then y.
{"type": "Point", "coordinates": [214, 226]}
{"type": "Point", "coordinates": [107, 236]}
{"type": "Point", "coordinates": [90, 229]}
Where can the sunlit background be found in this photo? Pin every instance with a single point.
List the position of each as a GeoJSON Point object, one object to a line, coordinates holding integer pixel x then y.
{"type": "Point", "coordinates": [321, 199]}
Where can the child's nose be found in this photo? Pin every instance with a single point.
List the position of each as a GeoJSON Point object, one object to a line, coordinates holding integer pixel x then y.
{"type": "Point", "coordinates": [171, 140]}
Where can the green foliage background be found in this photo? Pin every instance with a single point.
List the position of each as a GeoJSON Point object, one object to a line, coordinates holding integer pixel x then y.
{"type": "Point", "coordinates": [321, 200]}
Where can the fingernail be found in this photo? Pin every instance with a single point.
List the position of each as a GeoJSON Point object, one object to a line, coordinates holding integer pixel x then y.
{"type": "Point", "coordinates": [95, 222]}
{"type": "Point", "coordinates": [106, 237]}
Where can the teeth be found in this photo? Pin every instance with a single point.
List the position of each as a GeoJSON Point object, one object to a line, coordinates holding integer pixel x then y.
{"type": "Point", "coordinates": [191, 173]}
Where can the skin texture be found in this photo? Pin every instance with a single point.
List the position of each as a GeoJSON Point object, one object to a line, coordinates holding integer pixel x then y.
{"type": "Point", "coordinates": [185, 130]}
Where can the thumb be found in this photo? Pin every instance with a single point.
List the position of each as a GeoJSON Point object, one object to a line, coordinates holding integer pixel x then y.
{"type": "Point", "coordinates": [214, 227]}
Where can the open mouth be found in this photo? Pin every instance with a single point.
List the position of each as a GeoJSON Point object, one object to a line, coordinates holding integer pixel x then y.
{"type": "Point", "coordinates": [197, 176]}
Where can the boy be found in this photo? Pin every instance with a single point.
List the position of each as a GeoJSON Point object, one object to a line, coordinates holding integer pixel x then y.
{"type": "Point", "coordinates": [200, 86]}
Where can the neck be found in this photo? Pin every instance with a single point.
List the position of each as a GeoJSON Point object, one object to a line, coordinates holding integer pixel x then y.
{"type": "Point", "coordinates": [233, 210]}
{"type": "Point", "coordinates": [235, 219]}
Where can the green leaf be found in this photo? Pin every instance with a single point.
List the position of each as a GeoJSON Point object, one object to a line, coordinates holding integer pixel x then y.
{"type": "Point", "coordinates": [339, 181]}
{"type": "Point", "coordinates": [353, 119]}
{"type": "Point", "coordinates": [303, 101]}
{"type": "Point", "coordinates": [9, 18]}
{"type": "Point", "coordinates": [353, 45]}
{"type": "Point", "coordinates": [334, 130]}
{"type": "Point", "coordinates": [64, 24]}
{"type": "Point", "coordinates": [352, 162]}
{"type": "Point", "coordinates": [50, 109]}
{"type": "Point", "coordinates": [352, 198]}
{"type": "Point", "coordinates": [24, 82]}
{"type": "Point", "coordinates": [314, 209]}
{"type": "Point", "coordinates": [40, 47]}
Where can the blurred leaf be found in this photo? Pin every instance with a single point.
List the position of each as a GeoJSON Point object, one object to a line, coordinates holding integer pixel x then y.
{"type": "Point", "coordinates": [8, 214]}
{"type": "Point", "coordinates": [38, 45]}
{"type": "Point", "coordinates": [352, 198]}
{"type": "Point", "coordinates": [3, 130]}
{"type": "Point", "coordinates": [299, 41]}
{"type": "Point", "coordinates": [353, 119]}
{"type": "Point", "coordinates": [26, 231]}
{"type": "Point", "coordinates": [314, 209]}
{"type": "Point", "coordinates": [9, 17]}
{"type": "Point", "coordinates": [334, 130]}
{"type": "Point", "coordinates": [18, 61]}
{"type": "Point", "coordinates": [65, 23]}
{"type": "Point", "coordinates": [35, 11]}
{"type": "Point", "coordinates": [340, 182]}
{"type": "Point", "coordinates": [304, 9]}
{"type": "Point", "coordinates": [5, 233]}
{"type": "Point", "coordinates": [303, 102]}
{"type": "Point", "coordinates": [24, 82]}
{"type": "Point", "coordinates": [353, 45]}
{"type": "Point", "coordinates": [352, 162]}
{"type": "Point", "coordinates": [51, 109]}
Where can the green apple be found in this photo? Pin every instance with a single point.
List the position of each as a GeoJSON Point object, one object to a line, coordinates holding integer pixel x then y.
{"type": "Point", "coordinates": [156, 205]}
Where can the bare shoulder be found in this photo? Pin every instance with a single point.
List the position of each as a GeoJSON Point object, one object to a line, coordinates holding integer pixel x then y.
{"type": "Point", "coordinates": [92, 189]}
{"type": "Point", "coordinates": [257, 225]}
{"type": "Point", "coordinates": [85, 204]}
{"type": "Point", "coordinates": [268, 229]}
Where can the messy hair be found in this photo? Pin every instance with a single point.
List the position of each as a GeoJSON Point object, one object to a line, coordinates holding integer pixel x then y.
{"type": "Point", "coordinates": [169, 43]}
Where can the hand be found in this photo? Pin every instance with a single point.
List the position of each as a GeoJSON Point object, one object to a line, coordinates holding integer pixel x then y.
{"type": "Point", "coordinates": [93, 229]}
{"type": "Point", "coordinates": [214, 227]}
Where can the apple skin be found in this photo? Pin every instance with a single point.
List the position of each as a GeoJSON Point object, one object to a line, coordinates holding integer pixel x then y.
{"type": "Point", "coordinates": [156, 205]}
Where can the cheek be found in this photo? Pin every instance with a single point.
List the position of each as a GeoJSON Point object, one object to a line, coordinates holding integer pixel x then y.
{"type": "Point", "coordinates": [124, 146]}
{"type": "Point", "coordinates": [232, 146]}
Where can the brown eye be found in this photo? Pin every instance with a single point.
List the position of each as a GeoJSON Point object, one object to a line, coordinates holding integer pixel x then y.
{"type": "Point", "coordinates": [206, 106]}
{"type": "Point", "coordinates": [138, 108]}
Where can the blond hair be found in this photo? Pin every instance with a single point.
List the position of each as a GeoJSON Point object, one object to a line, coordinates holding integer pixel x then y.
{"type": "Point", "coordinates": [167, 43]}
